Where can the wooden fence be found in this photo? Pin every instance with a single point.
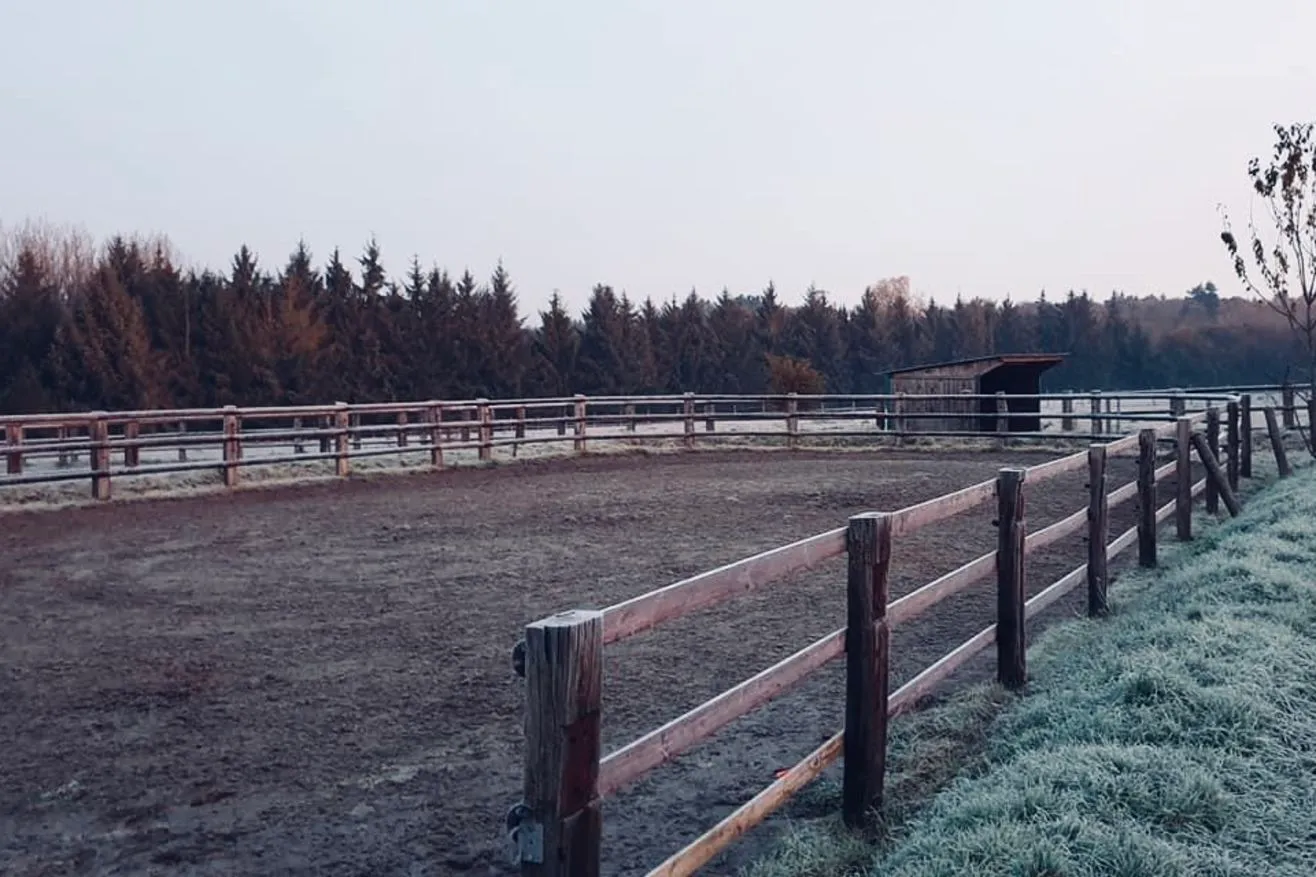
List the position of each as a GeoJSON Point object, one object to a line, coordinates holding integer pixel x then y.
{"type": "Point", "coordinates": [556, 829]}
{"type": "Point", "coordinates": [47, 448]}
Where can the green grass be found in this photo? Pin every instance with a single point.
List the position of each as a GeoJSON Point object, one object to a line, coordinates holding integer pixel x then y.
{"type": "Point", "coordinates": [1176, 737]}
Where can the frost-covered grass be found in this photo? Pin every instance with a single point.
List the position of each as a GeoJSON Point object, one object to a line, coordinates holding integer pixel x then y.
{"type": "Point", "coordinates": [1177, 737]}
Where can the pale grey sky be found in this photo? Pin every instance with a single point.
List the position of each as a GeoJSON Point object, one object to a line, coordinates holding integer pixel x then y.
{"type": "Point", "coordinates": [979, 147]}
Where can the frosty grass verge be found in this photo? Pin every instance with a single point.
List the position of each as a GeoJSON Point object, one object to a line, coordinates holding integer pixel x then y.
{"type": "Point", "coordinates": [1176, 737]}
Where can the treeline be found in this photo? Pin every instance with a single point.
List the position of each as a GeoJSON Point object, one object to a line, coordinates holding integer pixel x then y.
{"type": "Point", "coordinates": [125, 327]}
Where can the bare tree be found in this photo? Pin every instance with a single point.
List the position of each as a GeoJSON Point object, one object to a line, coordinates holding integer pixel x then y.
{"type": "Point", "coordinates": [1282, 272]}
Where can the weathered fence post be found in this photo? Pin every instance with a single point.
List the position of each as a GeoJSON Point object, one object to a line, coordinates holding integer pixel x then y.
{"type": "Point", "coordinates": [1183, 476]}
{"type": "Point", "coordinates": [182, 448]}
{"type": "Point", "coordinates": [899, 418]}
{"type": "Point", "coordinates": [402, 429]}
{"type": "Point", "coordinates": [355, 421]}
{"type": "Point", "coordinates": [436, 434]}
{"type": "Point", "coordinates": [1213, 444]}
{"type": "Point", "coordinates": [342, 424]}
{"type": "Point", "coordinates": [580, 414]}
{"type": "Point", "coordinates": [560, 833]}
{"type": "Point", "coordinates": [1234, 440]}
{"type": "Point", "coordinates": [1094, 402]}
{"type": "Point", "coordinates": [1147, 497]}
{"type": "Point", "coordinates": [520, 426]}
{"type": "Point", "coordinates": [484, 413]}
{"type": "Point", "coordinates": [62, 436]}
{"type": "Point", "coordinates": [1290, 410]}
{"type": "Point", "coordinates": [1277, 443]}
{"type": "Point", "coordinates": [1002, 419]}
{"type": "Point", "coordinates": [1245, 434]}
{"type": "Point", "coordinates": [1214, 475]}
{"type": "Point", "coordinates": [14, 439]}
{"type": "Point", "coordinates": [232, 449]}
{"type": "Point", "coordinates": [298, 443]}
{"type": "Point", "coordinates": [1067, 410]}
{"type": "Point", "coordinates": [100, 456]}
{"type": "Point", "coordinates": [792, 421]}
{"type": "Point", "coordinates": [629, 413]}
{"type": "Point", "coordinates": [1011, 664]}
{"type": "Point", "coordinates": [688, 413]}
{"type": "Point", "coordinates": [867, 650]}
{"type": "Point", "coordinates": [132, 453]}
{"type": "Point", "coordinates": [327, 423]}
{"type": "Point", "coordinates": [562, 424]}
{"type": "Point", "coordinates": [1178, 405]}
{"type": "Point", "coordinates": [1098, 531]}
{"type": "Point", "coordinates": [710, 409]}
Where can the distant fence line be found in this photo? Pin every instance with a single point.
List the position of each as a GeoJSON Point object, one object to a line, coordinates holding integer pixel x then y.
{"type": "Point", "coordinates": [49, 448]}
{"type": "Point", "coordinates": [556, 829]}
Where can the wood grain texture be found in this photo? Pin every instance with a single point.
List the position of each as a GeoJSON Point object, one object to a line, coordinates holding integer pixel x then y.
{"type": "Point", "coordinates": [1147, 498]}
{"type": "Point", "coordinates": [1183, 475]}
{"type": "Point", "coordinates": [1213, 444]}
{"type": "Point", "coordinates": [1235, 442]}
{"type": "Point", "coordinates": [1245, 435]}
{"type": "Point", "coordinates": [1214, 475]}
{"type": "Point", "coordinates": [1098, 520]}
{"type": "Point", "coordinates": [867, 647]}
{"type": "Point", "coordinates": [1011, 664]}
{"type": "Point", "coordinates": [1277, 443]}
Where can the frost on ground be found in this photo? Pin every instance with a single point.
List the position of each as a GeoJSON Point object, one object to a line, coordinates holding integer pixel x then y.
{"type": "Point", "coordinates": [1174, 738]}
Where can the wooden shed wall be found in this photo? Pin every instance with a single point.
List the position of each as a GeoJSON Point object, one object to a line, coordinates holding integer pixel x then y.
{"type": "Point", "coordinates": [949, 380]}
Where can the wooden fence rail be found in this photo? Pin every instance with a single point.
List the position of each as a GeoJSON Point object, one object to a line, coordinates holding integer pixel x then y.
{"type": "Point", "coordinates": [556, 828]}
{"type": "Point", "coordinates": [49, 448]}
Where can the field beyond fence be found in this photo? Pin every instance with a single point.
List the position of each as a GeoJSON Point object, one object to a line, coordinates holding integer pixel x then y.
{"type": "Point", "coordinates": [557, 827]}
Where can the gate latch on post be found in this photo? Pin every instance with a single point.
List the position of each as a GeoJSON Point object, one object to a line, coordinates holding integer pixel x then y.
{"type": "Point", "coordinates": [526, 835]}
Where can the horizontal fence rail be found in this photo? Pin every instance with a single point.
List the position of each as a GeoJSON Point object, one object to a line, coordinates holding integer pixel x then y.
{"type": "Point", "coordinates": [557, 832]}
{"type": "Point", "coordinates": [101, 448]}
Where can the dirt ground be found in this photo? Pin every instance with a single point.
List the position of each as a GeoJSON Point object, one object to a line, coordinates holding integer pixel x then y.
{"type": "Point", "coordinates": [317, 680]}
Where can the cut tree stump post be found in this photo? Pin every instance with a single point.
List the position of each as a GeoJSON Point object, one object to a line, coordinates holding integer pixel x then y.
{"type": "Point", "coordinates": [792, 420]}
{"type": "Point", "coordinates": [1147, 498]}
{"type": "Point", "coordinates": [1098, 531]}
{"type": "Point", "coordinates": [1277, 443]}
{"type": "Point", "coordinates": [688, 415]}
{"type": "Point", "coordinates": [436, 435]}
{"type": "Point", "coordinates": [1245, 435]}
{"type": "Point", "coordinates": [1067, 412]}
{"type": "Point", "coordinates": [1215, 475]}
{"type": "Point", "coordinates": [1213, 444]}
{"type": "Point", "coordinates": [100, 456]}
{"type": "Point", "coordinates": [1235, 443]}
{"type": "Point", "coordinates": [132, 453]}
{"type": "Point", "coordinates": [232, 450]}
{"type": "Point", "coordinates": [1011, 664]}
{"type": "Point", "coordinates": [1290, 410]}
{"type": "Point", "coordinates": [561, 831]}
{"type": "Point", "coordinates": [14, 457]}
{"type": "Point", "coordinates": [867, 652]}
{"type": "Point", "coordinates": [580, 412]}
{"type": "Point", "coordinates": [484, 414]}
{"type": "Point", "coordinates": [1183, 476]}
{"type": "Point", "coordinates": [342, 424]}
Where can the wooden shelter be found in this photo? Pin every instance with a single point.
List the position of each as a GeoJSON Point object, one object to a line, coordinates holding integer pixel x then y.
{"type": "Point", "coordinates": [1015, 374]}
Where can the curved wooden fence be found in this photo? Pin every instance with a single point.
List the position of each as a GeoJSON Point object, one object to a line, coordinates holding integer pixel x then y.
{"type": "Point", "coordinates": [100, 448]}
{"type": "Point", "coordinates": [556, 828]}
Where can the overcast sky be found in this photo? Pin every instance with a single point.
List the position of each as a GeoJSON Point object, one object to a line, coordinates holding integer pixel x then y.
{"type": "Point", "coordinates": [988, 148]}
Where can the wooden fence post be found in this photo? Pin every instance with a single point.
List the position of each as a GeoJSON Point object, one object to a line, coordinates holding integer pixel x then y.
{"type": "Point", "coordinates": [484, 414]}
{"type": "Point", "coordinates": [562, 828]}
{"type": "Point", "coordinates": [1011, 663]}
{"type": "Point", "coordinates": [792, 421]}
{"type": "Point", "coordinates": [899, 406]}
{"type": "Point", "coordinates": [298, 443]}
{"type": "Point", "coordinates": [14, 439]}
{"type": "Point", "coordinates": [709, 410]}
{"type": "Point", "coordinates": [1183, 476]}
{"type": "Point", "coordinates": [562, 424]}
{"type": "Point", "coordinates": [232, 450]}
{"type": "Point", "coordinates": [1177, 405]}
{"type": "Point", "coordinates": [1094, 402]}
{"type": "Point", "coordinates": [100, 456]}
{"type": "Point", "coordinates": [402, 429]}
{"type": "Point", "coordinates": [355, 421]}
{"type": "Point", "coordinates": [1067, 410]}
{"type": "Point", "coordinates": [1277, 443]}
{"type": "Point", "coordinates": [1214, 475]}
{"type": "Point", "coordinates": [342, 424]}
{"type": "Point", "coordinates": [1245, 434]}
{"type": "Point", "coordinates": [688, 412]}
{"type": "Point", "coordinates": [629, 412]}
{"type": "Point", "coordinates": [436, 435]}
{"type": "Point", "coordinates": [1147, 498]}
{"type": "Point", "coordinates": [62, 436]}
{"type": "Point", "coordinates": [1002, 419]}
{"type": "Point", "coordinates": [867, 650]}
{"type": "Point", "coordinates": [581, 409]}
{"type": "Point", "coordinates": [1290, 410]}
{"type": "Point", "coordinates": [1213, 444]}
{"type": "Point", "coordinates": [1234, 440]}
{"type": "Point", "coordinates": [327, 422]}
{"type": "Point", "coordinates": [1098, 531]}
{"type": "Point", "coordinates": [132, 454]}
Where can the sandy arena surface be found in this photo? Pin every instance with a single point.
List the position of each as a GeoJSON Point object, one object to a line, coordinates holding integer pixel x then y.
{"type": "Point", "coordinates": [316, 679]}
